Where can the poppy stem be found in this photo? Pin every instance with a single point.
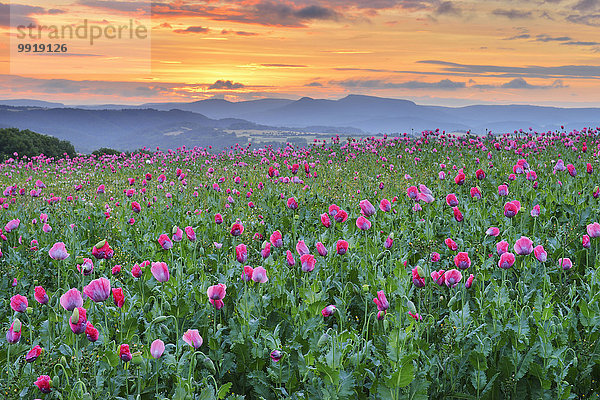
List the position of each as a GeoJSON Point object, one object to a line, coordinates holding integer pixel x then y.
{"type": "Point", "coordinates": [156, 367]}
{"type": "Point", "coordinates": [8, 370]}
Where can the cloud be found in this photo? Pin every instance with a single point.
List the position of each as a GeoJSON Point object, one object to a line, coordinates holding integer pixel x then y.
{"type": "Point", "coordinates": [447, 8]}
{"type": "Point", "coordinates": [586, 5]}
{"type": "Point", "coordinates": [521, 36]}
{"type": "Point", "coordinates": [587, 19]}
{"type": "Point", "coordinates": [579, 43]}
{"type": "Point", "coordinates": [512, 14]}
{"type": "Point", "coordinates": [192, 29]}
{"type": "Point", "coordinates": [284, 65]}
{"type": "Point", "coordinates": [20, 14]}
{"type": "Point", "coordinates": [221, 84]}
{"type": "Point", "coordinates": [444, 84]}
{"type": "Point", "coordinates": [238, 33]}
{"type": "Point", "coordinates": [546, 38]}
{"type": "Point", "coordinates": [563, 71]}
{"type": "Point", "coordinates": [520, 83]}
{"type": "Point", "coordinates": [314, 84]}
{"type": "Point", "coordinates": [127, 7]}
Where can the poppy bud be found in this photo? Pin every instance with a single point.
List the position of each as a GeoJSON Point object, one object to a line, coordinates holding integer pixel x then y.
{"type": "Point", "coordinates": [420, 271]}
{"type": "Point", "coordinates": [100, 244]}
{"type": "Point", "coordinates": [411, 306]}
{"type": "Point", "coordinates": [323, 339]}
{"type": "Point", "coordinates": [210, 365]}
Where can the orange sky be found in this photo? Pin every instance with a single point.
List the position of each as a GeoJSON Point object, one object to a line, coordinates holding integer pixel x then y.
{"type": "Point", "coordinates": [429, 51]}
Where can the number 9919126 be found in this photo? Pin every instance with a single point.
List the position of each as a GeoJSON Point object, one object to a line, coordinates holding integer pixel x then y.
{"type": "Point", "coordinates": [42, 48]}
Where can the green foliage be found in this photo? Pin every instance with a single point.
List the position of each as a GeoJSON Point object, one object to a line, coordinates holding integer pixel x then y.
{"type": "Point", "coordinates": [30, 144]}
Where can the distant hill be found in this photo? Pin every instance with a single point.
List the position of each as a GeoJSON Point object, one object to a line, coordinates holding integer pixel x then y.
{"type": "Point", "coordinates": [208, 121]}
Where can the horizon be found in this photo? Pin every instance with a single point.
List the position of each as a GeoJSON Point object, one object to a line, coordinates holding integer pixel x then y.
{"type": "Point", "coordinates": [418, 50]}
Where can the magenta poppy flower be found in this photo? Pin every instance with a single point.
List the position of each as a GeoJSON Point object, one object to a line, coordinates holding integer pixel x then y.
{"type": "Point", "coordinates": [367, 208]}
{"type": "Point", "coordinates": [13, 335]}
{"type": "Point", "coordinates": [328, 311]}
{"type": "Point", "coordinates": [451, 244]}
{"type": "Point", "coordinates": [58, 251]}
{"type": "Point", "coordinates": [289, 257]}
{"type": "Point", "coordinates": [98, 290]}
{"type": "Point", "coordinates": [292, 204]}
{"type": "Point", "coordinates": [136, 271]}
{"type": "Point", "coordinates": [193, 338]}
{"type": "Point", "coordinates": [276, 355]}
{"type": "Point", "coordinates": [125, 353]}
{"type": "Point", "coordinates": [12, 225]}
{"type": "Point", "coordinates": [302, 248]}
{"type": "Point", "coordinates": [417, 279]}
{"type": "Point", "coordinates": [341, 247]}
{"type": "Point", "coordinates": [71, 299]}
{"type": "Point", "coordinates": [385, 205]}
{"type": "Point", "coordinates": [451, 200]}
{"type": "Point", "coordinates": [165, 242]}
{"type": "Point", "coordinates": [241, 253]}
{"type": "Point", "coordinates": [459, 179]}
{"type": "Point", "coordinates": [475, 193]}
{"type": "Point", "coordinates": [492, 231]}
{"type": "Point", "coordinates": [276, 239]}
{"type": "Point", "coordinates": [510, 209]}
{"type": "Point", "coordinates": [216, 292]}
{"type": "Point", "coordinates": [523, 246]}
{"type": "Point", "coordinates": [416, 316]}
{"type": "Point", "coordinates": [321, 249]}
{"type": "Point", "coordinates": [381, 301]}
{"type": "Point", "coordinates": [480, 174]}
{"type": "Point", "coordinates": [33, 354]}
{"type": "Point", "coordinates": [260, 275]}
{"type": "Point", "coordinates": [503, 190]}
{"type": "Point", "coordinates": [135, 207]}
{"type": "Point", "coordinates": [218, 219]}
{"type": "Point", "coordinates": [102, 250]}
{"type": "Point", "coordinates": [341, 216]}
{"type": "Point", "coordinates": [44, 383]}
{"type": "Point", "coordinates": [469, 281]}
{"type": "Point", "coordinates": [189, 232]}
{"type": "Point", "coordinates": [565, 263]}
{"type": "Point", "coordinates": [40, 295]}
{"type": "Point", "coordinates": [572, 170]}
{"type": "Point", "coordinates": [177, 234]}
{"type": "Point", "coordinates": [247, 273]}
{"type": "Point", "coordinates": [91, 333]}
{"type": "Point", "coordinates": [589, 168]}
{"type": "Point", "coordinates": [506, 261]}
{"type": "Point", "coordinates": [101, 189]}
{"type": "Point", "coordinates": [535, 211]}
{"type": "Point", "coordinates": [462, 260]}
{"type": "Point", "coordinates": [388, 242]}
{"type": "Point", "coordinates": [18, 303]}
{"type": "Point", "coordinates": [593, 230]}
{"type": "Point", "coordinates": [452, 278]}
{"type": "Point", "coordinates": [237, 228]}
{"type": "Point", "coordinates": [78, 321]}
{"type": "Point", "coordinates": [118, 297]}
{"type": "Point", "coordinates": [585, 241]}
{"type": "Point", "coordinates": [333, 210]}
{"type": "Point", "coordinates": [362, 223]}
{"type": "Point", "coordinates": [435, 257]}
{"type": "Point", "coordinates": [160, 271]}
{"type": "Point", "coordinates": [457, 214]}
{"type": "Point", "coordinates": [540, 254]}
{"type": "Point", "coordinates": [266, 251]}
{"type": "Point", "coordinates": [157, 348]}
{"type": "Point", "coordinates": [325, 220]}
{"type": "Point", "coordinates": [502, 247]}
{"type": "Point", "coordinates": [308, 262]}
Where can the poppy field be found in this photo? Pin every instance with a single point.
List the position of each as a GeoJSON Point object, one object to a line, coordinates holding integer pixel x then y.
{"type": "Point", "coordinates": [431, 267]}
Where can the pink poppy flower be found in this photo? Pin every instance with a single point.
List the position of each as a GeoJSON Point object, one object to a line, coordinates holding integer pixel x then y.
{"type": "Point", "coordinates": [452, 278]}
{"type": "Point", "coordinates": [475, 193]}
{"type": "Point", "coordinates": [469, 281]}
{"type": "Point", "coordinates": [102, 250]}
{"type": "Point", "coordinates": [540, 254]}
{"type": "Point", "coordinates": [462, 260]}
{"type": "Point", "coordinates": [241, 253]}
{"type": "Point", "coordinates": [289, 257]}
{"type": "Point", "coordinates": [451, 244]}
{"type": "Point", "coordinates": [325, 220]}
{"type": "Point", "coordinates": [523, 246]}
{"type": "Point", "coordinates": [321, 249]}
{"type": "Point", "coordinates": [503, 190]}
{"type": "Point", "coordinates": [367, 208]}
{"type": "Point", "coordinates": [385, 205]}
{"type": "Point", "coordinates": [33, 354]}
{"type": "Point", "coordinates": [18, 303]}
{"type": "Point", "coordinates": [328, 311]}
{"type": "Point", "coordinates": [247, 273]}
{"type": "Point", "coordinates": [157, 348]}
{"type": "Point", "coordinates": [71, 299]}
{"type": "Point", "coordinates": [160, 271]}
{"type": "Point", "coordinates": [44, 383]}
{"type": "Point", "coordinates": [260, 275]}
{"type": "Point", "coordinates": [362, 223]}
{"type": "Point", "coordinates": [341, 216]}
{"type": "Point", "coordinates": [237, 228]}
{"type": "Point", "coordinates": [302, 248]}
{"type": "Point", "coordinates": [506, 261]}
{"type": "Point", "coordinates": [585, 241]}
{"type": "Point", "coordinates": [193, 338]}
{"type": "Point", "coordinates": [292, 204]}
{"type": "Point", "coordinates": [165, 242]}
{"type": "Point", "coordinates": [565, 263]}
{"type": "Point", "coordinates": [593, 230]}
{"type": "Point", "coordinates": [276, 239]}
{"type": "Point", "coordinates": [417, 279]}
{"type": "Point", "coordinates": [341, 247]}
{"type": "Point", "coordinates": [98, 290]}
{"type": "Point", "coordinates": [381, 301]}
{"type": "Point", "coordinates": [13, 335]}
{"type": "Point", "coordinates": [502, 247]}
{"type": "Point", "coordinates": [308, 262]}
{"type": "Point", "coordinates": [91, 333]}
{"type": "Point", "coordinates": [492, 231]}
{"type": "Point", "coordinates": [451, 200]}
{"type": "Point", "coordinates": [125, 353]}
{"type": "Point", "coordinates": [58, 251]}
{"type": "Point", "coordinates": [40, 295]}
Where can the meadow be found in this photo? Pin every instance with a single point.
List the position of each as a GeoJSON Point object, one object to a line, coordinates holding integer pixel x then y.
{"type": "Point", "coordinates": [429, 267]}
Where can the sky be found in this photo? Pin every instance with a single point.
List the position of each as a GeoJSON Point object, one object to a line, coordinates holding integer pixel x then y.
{"type": "Point", "coordinates": [439, 52]}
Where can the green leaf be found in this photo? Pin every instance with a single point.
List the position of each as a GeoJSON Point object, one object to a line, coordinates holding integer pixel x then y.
{"type": "Point", "coordinates": [224, 390]}
{"type": "Point", "coordinates": [403, 376]}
